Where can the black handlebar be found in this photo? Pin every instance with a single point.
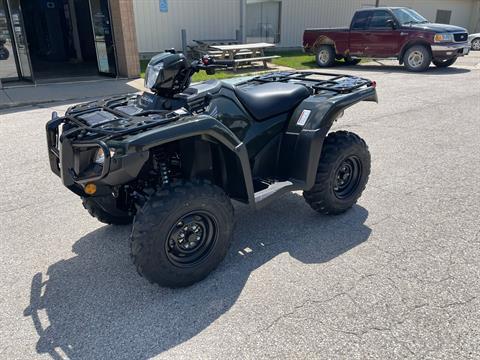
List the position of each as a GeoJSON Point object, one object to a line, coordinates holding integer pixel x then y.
{"type": "Point", "coordinates": [209, 64]}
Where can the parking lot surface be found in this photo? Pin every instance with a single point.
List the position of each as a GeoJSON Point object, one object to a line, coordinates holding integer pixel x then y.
{"type": "Point", "coordinates": [398, 276]}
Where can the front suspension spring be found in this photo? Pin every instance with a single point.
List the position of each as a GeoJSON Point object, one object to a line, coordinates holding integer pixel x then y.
{"type": "Point", "coordinates": [164, 173]}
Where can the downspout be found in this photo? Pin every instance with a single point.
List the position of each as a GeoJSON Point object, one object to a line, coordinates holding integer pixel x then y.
{"type": "Point", "coordinates": [243, 10]}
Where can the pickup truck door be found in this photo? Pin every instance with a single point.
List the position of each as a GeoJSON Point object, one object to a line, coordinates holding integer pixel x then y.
{"type": "Point", "coordinates": [383, 36]}
{"type": "Point", "coordinates": [358, 38]}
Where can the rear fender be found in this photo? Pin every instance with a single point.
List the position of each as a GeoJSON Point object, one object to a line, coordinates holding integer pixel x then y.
{"type": "Point", "coordinates": [324, 40]}
{"type": "Point", "coordinates": [308, 127]}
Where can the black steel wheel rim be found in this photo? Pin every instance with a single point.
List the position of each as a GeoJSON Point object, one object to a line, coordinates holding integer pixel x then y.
{"type": "Point", "coordinates": [191, 238]}
{"type": "Point", "coordinates": [347, 177]}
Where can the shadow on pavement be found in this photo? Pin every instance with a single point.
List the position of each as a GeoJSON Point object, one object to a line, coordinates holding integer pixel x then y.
{"type": "Point", "coordinates": [94, 305]}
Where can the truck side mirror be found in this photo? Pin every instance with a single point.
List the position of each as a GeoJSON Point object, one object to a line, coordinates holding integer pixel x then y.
{"type": "Point", "coordinates": [391, 23]}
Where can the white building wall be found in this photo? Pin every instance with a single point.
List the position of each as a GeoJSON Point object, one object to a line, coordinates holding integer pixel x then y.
{"type": "Point", "coordinates": [219, 19]}
{"type": "Point", "coordinates": [203, 19]}
{"type": "Point", "coordinates": [461, 9]}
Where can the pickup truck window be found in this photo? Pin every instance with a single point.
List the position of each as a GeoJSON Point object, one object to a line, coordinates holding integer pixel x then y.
{"type": "Point", "coordinates": [360, 20]}
{"type": "Point", "coordinates": [408, 16]}
{"type": "Point", "coordinates": [379, 20]}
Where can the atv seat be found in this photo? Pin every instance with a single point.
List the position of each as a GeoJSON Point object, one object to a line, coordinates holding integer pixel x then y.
{"type": "Point", "coordinates": [267, 100]}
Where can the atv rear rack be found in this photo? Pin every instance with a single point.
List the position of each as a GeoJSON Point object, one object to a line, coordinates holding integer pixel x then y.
{"type": "Point", "coordinates": [339, 83]}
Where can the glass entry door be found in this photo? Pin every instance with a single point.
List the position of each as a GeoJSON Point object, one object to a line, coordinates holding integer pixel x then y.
{"type": "Point", "coordinates": [14, 13]}
{"type": "Point", "coordinates": [8, 66]}
{"type": "Point", "coordinates": [263, 21]}
{"type": "Point", "coordinates": [104, 43]}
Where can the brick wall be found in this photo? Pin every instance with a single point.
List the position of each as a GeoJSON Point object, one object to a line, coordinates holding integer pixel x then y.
{"type": "Point", "coordinates": [125, 38]}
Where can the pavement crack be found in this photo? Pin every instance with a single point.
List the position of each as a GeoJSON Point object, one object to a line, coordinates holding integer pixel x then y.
{"type": "Point", "coordinates": [458, 303]}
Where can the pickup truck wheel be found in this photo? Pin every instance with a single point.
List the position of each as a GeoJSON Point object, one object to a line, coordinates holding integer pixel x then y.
{"type": "Point", "coordinates": [104, 209]}
{"type": "Point", "coordinates": [444, 63]}
{"type": "Point", "coordinates": [342, 174]}
{"type": "Point", "coordinates": [325, 56]}
{"type": "Point", "coordinates": [417, 58]}
{"type": "Point", "coordinates": [476, 44]}
{"type": "Point", "coordinates": [182, 233]}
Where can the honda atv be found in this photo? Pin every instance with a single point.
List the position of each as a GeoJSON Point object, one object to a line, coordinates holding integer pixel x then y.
{"type": "Point", "coordinates": [172, 160]}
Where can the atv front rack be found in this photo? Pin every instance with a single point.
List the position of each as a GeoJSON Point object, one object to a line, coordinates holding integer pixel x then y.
{"type": "Point", "coordinates": [73, 131]}
{"type": "Point", "coordinates": [317, 82]}
{"type": "Point", "coordinates": [130, 123]}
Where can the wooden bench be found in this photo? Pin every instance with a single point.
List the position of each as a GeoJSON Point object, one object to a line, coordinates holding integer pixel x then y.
{"type": "Point", "coordinates": [221, 55]}
{"type": "Point", "coordinates": [247, 60]}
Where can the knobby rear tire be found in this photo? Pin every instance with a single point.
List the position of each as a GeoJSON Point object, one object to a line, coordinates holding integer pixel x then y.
{"type": "Point", "coordinates": [337, 148]}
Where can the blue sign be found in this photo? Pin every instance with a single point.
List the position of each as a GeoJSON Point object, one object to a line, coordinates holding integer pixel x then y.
{"type": "Point", "coordinates": [163, 5]}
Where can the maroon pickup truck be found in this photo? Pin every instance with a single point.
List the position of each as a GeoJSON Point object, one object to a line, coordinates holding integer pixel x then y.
{"type": "Point", "coordinates": [388, 32]}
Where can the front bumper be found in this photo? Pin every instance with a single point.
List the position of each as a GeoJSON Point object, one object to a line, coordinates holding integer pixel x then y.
{"type": "Point", "coordinates": [67, 159]}
{"type": "Point", "coordinates": [450, 50]}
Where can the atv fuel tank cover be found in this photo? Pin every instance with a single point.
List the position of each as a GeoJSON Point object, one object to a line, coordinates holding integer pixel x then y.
{"type": "Point", "coordinates": [98, 118]}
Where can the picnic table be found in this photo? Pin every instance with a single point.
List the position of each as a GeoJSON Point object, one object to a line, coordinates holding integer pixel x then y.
{"type": "Point", "coordinates": [244, 53]}
{"type": "Point", "coordinates": [202, 47]}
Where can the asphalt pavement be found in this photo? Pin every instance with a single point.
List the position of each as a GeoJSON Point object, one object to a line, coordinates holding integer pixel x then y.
{"type": "Point", "coordinates": [397, 276]}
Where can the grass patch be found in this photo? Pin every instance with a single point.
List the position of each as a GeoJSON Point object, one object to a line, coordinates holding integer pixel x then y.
{"type": "Point", "coordinates": [301, 61]}
{"type": "Point", "coordinates": [296, 60]}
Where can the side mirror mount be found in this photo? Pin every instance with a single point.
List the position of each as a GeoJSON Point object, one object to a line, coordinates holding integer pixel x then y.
{"type": "Point", "coordinates": [391, 23]}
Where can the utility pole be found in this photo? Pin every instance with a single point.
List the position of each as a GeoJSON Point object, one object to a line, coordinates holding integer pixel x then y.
{"type": "Point", "coordinates": [377, 3]}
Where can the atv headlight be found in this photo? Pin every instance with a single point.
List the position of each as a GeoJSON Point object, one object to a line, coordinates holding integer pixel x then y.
{"type": "Point", "coordinates": [446, 37]}
{"type": "Point", "coordinates": [99, 157]}
{"type": "Point", "coordinates": [151, 75]}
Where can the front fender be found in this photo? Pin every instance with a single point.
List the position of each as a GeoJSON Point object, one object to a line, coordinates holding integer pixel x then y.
{"type": "Point", "coordinates": [194, 126]}
{"type": "Point", "coordinates": [183, 128]}
{"type": "Point", "coordinates": [412, 42]}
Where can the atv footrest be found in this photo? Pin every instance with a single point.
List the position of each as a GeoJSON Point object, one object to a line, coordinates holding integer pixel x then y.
{"type": "Point", "coordinates": [273, 189]}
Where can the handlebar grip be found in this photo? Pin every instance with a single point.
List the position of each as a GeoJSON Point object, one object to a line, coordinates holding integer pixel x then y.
{"type": "Point", "coordinates": [223, 62]}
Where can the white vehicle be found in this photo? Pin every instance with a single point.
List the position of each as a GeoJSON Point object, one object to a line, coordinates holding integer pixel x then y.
{"type": "Point", "coordinates": [474, 41]}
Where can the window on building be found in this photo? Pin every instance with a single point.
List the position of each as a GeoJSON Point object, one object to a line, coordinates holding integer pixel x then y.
{"type": "Point", "coordinates": [443, 16]}
{"type": "Point", "coordinates": [263, 21]}
{"type": "Point", "coordinates": [379, 20]}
